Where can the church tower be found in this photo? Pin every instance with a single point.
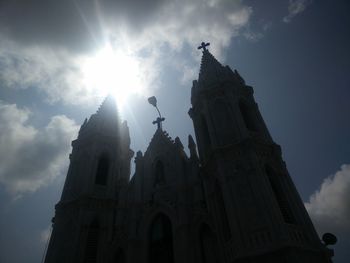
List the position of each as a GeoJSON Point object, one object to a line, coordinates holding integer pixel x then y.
{"type": "Point", "coordinates": [256, 211]}
{"type": "Point", "coordinates": [99, 168]}
{"type": "Point", "coordinates": [234, 201]}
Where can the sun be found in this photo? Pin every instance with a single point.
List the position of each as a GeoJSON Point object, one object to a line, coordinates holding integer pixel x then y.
{"type": "Point", "coordinates": [114, 72]}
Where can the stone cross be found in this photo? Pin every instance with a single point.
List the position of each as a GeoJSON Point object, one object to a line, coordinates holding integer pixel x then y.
{"type": "Point", "coordinates": [203, 46]}
{"type": "Point", "coordinates": [159, 121]}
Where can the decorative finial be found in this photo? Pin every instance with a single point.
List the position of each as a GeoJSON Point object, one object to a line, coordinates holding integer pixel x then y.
{"type": "Point", "coordinates": [178, 143]}
{"type": "Point", "coordinates": [153, 101]}
{"type": "Point", "coordinates": [203, 46]}
{"type": "Point", "coordinates": [192, 147]}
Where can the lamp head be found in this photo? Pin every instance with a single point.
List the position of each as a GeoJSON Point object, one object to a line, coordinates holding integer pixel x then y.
{"type": "Point", "coordinates": [329, 239]}
{"type": "Point", "coordinates": [152, 100]}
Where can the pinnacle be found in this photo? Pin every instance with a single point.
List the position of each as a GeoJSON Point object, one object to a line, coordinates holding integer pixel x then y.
{"type": "Point", "coordinates": [105, 120]}
{"type": "Point", "coordinates": [210, 69]}
{"type": "Point", "coordinates": [108, 104]}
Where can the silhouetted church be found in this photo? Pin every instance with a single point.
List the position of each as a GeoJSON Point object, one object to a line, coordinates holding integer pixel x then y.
{"type": "Point", "coordinates": [234, 202]}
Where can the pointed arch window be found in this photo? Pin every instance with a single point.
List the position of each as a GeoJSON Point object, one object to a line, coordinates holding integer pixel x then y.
{"type": "Point", "coordinates": [102, 170]}
{"type": "Point", "coordinates": [161, 240]}
{"type": "Point", "coordinates": [208, 245]}
{"type": "Point", "coordinates": [280, 196]}
{"type": "Point", "coordinates": [248, 116]}
{"type": "Point", "coordinates": [91, 245]}
{"type": "Point", "coordinates": [205, 134]}
{"type": "Point", "coordinates": [223, 121]}
{"type": "Point", "coordinates": [159, 178]}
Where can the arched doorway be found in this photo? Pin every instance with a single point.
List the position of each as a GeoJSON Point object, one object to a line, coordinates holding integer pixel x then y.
{"type": "Point", "coordinates": [161, 240]}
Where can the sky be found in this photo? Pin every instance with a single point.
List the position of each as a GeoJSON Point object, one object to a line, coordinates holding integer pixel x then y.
{"type": "Point", "coordinates": [59, 59]}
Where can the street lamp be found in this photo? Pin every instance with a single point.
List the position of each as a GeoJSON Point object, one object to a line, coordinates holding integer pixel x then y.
{"type": "Point", "coordinates": [153, 101]}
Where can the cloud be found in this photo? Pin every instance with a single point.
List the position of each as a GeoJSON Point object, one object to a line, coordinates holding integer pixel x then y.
{"type": "Point", "coordinates": [253, 36]}
{"type": "Point", "coordinates": [42, 43]}
{"type": "Point", "coordinates": [54, 73]}
{"type": "Point", "coordinates": [329, 206]}
{"type": "Point", "coordinates": [77, 25]}
{"type": "Point", "coordinates": [31, 158]}
{"type": "Point", "coordinates": [296, 7]}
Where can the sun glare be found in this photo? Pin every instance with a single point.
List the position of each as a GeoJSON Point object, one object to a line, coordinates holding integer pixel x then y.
{"type": "Point", "coordinates": [113, 72]}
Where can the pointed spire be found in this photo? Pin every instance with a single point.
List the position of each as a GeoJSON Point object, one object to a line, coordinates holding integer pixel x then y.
{"type": "Point", "coordinates": [106, 120]}
{"type": "Point", "coordinates": [139, 157]}
{"type": "Point", "coordinates": [108, 112]}
{"type": "Point", "coordinates": [192, 148]}
{"type": "Point", "coordinates": [108, 105]}
{"type": "Point", "coordinates": [125, 134]}
{"type": "Point", "coordinates": [211, 70]}
{"type": "Point", "coordinates": [178, 143]}
{"type": "Point", "coordinates": [213, 74]}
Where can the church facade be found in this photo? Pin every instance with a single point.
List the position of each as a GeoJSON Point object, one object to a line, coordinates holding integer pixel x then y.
{"type": "Point", "coordinates": [234, 201]}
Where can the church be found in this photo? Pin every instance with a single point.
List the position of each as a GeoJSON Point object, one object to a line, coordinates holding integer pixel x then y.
{"type": "Point", "coordinates": [230, 200]}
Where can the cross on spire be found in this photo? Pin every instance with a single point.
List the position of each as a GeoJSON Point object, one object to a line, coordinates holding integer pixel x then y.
{"type": "Point", "coordinates": [153, 101]}
{"type": "Point", "coordinates": [159, 121]}
{"type": "Point", "coordinates": [203, 46]}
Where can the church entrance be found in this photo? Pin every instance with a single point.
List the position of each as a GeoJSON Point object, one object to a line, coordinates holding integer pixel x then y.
{"type": "Point", "coordinates": [161, 240]}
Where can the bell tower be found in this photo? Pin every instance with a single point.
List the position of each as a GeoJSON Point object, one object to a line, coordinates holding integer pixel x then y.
{"type": "Point", "coordinates": [252, 201]}
{"type": "Point", "coordinates": [99, 168]}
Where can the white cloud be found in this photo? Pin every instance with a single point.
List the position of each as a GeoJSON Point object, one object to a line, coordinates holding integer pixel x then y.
{"type": "Point", "coordinates": [31, 158]}
{"type": "Point", "coordinates": [192, 22]}
{"type": "Point", "coordinates": [296, 7]}
{"type": "Point", "coordinates": [329, 207]}
{"type": "Point", "coordinates": [55, 68]}
{"type": "Point", "coordinates": [54, 73]}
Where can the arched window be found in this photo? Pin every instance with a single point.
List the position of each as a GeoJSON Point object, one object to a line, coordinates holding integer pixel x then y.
{"type": "Point", "coordinates": [249, 117]}
{"type": "Point", "coordinates": [159, 178]}
{"type": "Point", "coordinates": [92, 243]}
{"type": "Point", "coordinates": [223, 121]}
{"type": "Point", "coordinates": [222, 211]}
{"type": "Point", "coordinates": [208, 245]}
{"type": "Point", "coordinates": [161, 240]}
{"type": "Point", "coordinates": [206, 142]}
{"type": "Point", "coordinates": [280, 196]}
{"type": "Point", "coordinates": [102, 170]}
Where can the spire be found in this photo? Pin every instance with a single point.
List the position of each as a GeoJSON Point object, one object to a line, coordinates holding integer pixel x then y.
{"type": "Point", "coordinates": [211, 70]}
{"type": "Point", "coordinates": [192, 148]}
{"type": "Point", "coordinates": [108, 106]}
{"type": "Point", "coordinates": [178, 143]}
{"type": "Point", "coordinates": [105, 120]}
{"type": "Point", "coordinates": [213, 74]}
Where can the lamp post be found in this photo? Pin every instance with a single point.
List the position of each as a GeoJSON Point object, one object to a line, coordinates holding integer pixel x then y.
{"type": "Point", "coordinates": [329, 239]}
{"type": "Point", "coordinates": [153, 101]}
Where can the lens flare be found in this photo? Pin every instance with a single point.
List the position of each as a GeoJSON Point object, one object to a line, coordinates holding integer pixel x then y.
{"type": "Point", "coordinates": [113, 72]}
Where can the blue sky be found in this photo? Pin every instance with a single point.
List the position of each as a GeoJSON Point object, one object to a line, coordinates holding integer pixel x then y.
{"type": "Point", "coordinates": [295, 54]}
